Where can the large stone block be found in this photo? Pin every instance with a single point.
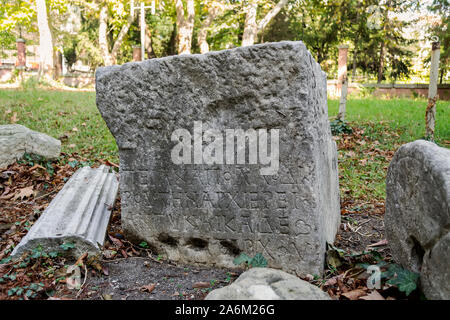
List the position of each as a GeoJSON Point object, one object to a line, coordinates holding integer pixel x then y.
{"type": "Point", "coordinates": [208, 213]}
{"type": "Point", "coordinates": [16, 139]}
{"type": "Point", "coordinates": [268, 284]}
{"type": "Point", "coordinates": [417, 216]}
{"type": "Point", "coordinates": [79, 214]}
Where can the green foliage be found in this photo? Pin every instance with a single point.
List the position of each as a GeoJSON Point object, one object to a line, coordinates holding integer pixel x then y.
{"type": "Point", "coordinates": [32, 159]}
{"type": "Point", "coordinates": [67, 246]}
{"type": "Point", "coordinates": [38, 253]}
{"type": "Point", "coordinates": [257, 261]}
{"type": "Point", "coordinates": [442, 31]}
{"type": "Point", "coordinates": [30, 291]}
{"type": "Point", "coordinates": [17, 14]}
{"type": "Point", "coordinates": [405, 280]}
{"type": "Point", "coordinates": [144, 245]}
{"type": "Point", "coordinates": [242, 258]}
{"type": "Point", "coordinates": [339, 127]}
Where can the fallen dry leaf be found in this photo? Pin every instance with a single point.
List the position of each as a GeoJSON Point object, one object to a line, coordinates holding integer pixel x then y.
{"type": "Point", "coordinates": [109, 254]}
{"type": "Point", "coordinates": [14, 118]}
{"type": "Point", "coordinates": [374, 295]}
{"type": "Point", "coordinates": [26, 192]}
{"type": "Point", "coordinates": [201, 285]}
{"type": "Point", "coordinates": [354, 294]}
{"type": "Point", "coordinates": [105, 270]}
{"type": "Point", "coordinates": [6, 196]}
{"type": "Point", "coordinates": [148, 288]}
{"type": "Point", "coordinates": [379, 243]}
{"type": "Point", "coordinates": [111, 164]}
{"type": "Point", "coordinates": [116, 241]}
{"type": "Point", "coordinates": [35, 167]}
{"type": "Point", "coordinates": [81, 258]}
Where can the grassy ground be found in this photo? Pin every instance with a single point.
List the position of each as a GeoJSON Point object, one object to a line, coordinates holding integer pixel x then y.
{"type": "Point", "coordinates": [70, 116]}
{"type": "Point", "coordinates": [380, 126]}
{"type": "Point", "coordinates": [406, 116]}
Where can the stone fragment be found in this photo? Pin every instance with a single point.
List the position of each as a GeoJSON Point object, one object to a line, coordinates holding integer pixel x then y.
{"type": "Point", "coordinates": [417, 215]}
{"type": "Point", "coordinates": [15, 140]}
{"type": "Point", "coordinates": [268, 284]}
{"type": "Point", "coordinates": [198, 209]}
{"type": "Point", "coordinates": [79, 214]}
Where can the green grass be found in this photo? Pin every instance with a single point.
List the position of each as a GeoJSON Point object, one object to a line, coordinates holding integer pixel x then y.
{"type": "Point", "coordinates": [406, 116]}
{"type": "Point", "coordinates": [57, 113]}
{"type": "Point", "coordinates": [384, 124]}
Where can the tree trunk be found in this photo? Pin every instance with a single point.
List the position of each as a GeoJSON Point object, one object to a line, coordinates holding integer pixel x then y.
{"type": "Point", "coordinates": [121, 36]}
{"type": "Point", "coordinates": [110, 58]}
{"type": "Point", "coordinates": [250, 26]}
{"type": "Point", "coordinates": [355, 55]}
{"type": "Point", "coordinates": [185, 25]}
{"type": "Point", "coordinates": [430, 113]}
{"type": "Point", "coordinates": [215, 9]}
{"type": "Point", "coordinates": [271, 14]}
{"type": "Point", "coordinates": [102, 36]}
{"type": "Point", "coordinates": [381, 64]}
{"type": "Point", "coordinates": [354, 65]}
{"type": "Point", "coordinates": [45, 41]}
{"type": "Point", "coordinates": [171, 49]}
{"type": "Point", "coordinates": [383, 44]}
{"type": "Point", "coordinates": [148, 43]}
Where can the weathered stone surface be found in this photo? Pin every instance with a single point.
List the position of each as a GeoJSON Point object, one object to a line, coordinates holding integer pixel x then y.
{"type": "Point", "coordinates": [199, 213]}
{"type": "Point", "coordinates": [268, 284]}
{"type": "Point", "coordinates": [417, 216]}
{"type": "Point", "coordinates": [78, 214]}
{"type": "Point", "coordinates": [16, 139]}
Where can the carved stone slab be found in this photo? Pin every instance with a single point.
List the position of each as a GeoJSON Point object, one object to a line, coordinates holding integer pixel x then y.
{"type": "Point", "coordinates": [208, 213]}
{"type": "Point", "coordinates": [79, 214]}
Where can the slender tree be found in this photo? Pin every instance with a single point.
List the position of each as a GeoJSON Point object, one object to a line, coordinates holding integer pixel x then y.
{"type": "Point", "coordinates": [214, 8]}
{"type": "Point", "coordinates": [185, 25]}
{"type": "Point", "coordinates": [45, 41]}
{"type": "Point", "coordinates": [110, 56]}
{"type": "Point", "coordinates": [251, 26]}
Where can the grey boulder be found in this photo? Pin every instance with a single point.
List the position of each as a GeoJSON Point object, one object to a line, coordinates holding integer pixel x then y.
{"type": "Point", "coordinates": [268, 284]}
{"type": "Point", "coordinates": [15, 140]}
{"type": "Point", "coordinates": [417, 214]}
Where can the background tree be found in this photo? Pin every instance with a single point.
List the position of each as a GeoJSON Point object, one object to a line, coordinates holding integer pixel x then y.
{"type": "Point", "coordinates": [45, 40]}
{"type": "Point", "coordinates": [441, 30]}
{"type": "Point", "coordinates": [251, 26]}
{"type": "Point", "coordinates": [185, 25]}
{"type": "Point", "coordinates": [211, 9]}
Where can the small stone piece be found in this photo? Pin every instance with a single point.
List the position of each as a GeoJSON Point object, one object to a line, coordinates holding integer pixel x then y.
{"type": "Point", "coordinates": [15, 140]}
{"type": "Point", "coordinates": [268, 284]}
{"type": "Point", "coordinates": [418, 214]}
{"type": "Point", "coordinates": [79, 214]}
